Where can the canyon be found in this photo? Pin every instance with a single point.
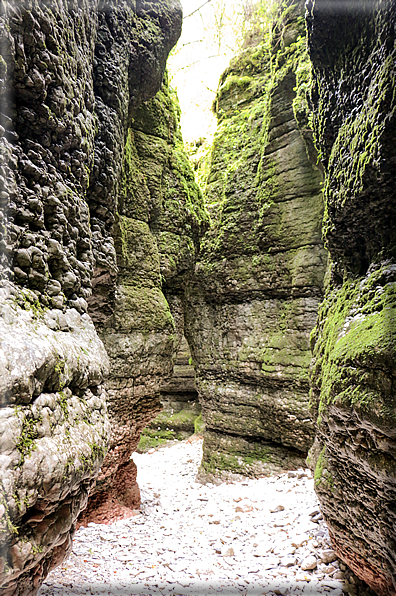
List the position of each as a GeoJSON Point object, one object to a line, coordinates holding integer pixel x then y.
{"type": "Point", "coordinates": [258, 310]}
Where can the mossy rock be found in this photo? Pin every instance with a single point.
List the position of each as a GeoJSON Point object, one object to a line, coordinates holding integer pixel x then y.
{"type": "Point", "coordinates": [355, 347]}
{"type": "Point", "coordinates": [183, 421]}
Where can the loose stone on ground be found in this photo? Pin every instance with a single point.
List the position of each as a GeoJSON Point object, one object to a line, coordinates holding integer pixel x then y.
{"type": "Point", "coordinates": [259, 536]}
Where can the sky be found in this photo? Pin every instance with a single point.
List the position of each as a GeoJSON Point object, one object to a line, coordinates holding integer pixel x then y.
{"type": "Point", "coordinates": [209, 40]}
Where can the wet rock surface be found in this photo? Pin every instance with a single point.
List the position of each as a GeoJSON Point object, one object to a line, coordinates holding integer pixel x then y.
{"type": "Point", "coordinates": [354, 341]}
{"type": "Point", "coordinates": [264, 536]}
{"type": "Point", "coordinates": [258, 281]}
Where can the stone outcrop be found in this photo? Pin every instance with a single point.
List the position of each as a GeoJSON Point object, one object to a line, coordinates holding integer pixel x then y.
{"type": "Point", "coordinates": [353, 375]}
{"type": "Point", "coordinates": [73, 228]}
{"type": "Point", "coordinates": [258, 282]}
{"type": "Point", "coordinates": [156, 240]}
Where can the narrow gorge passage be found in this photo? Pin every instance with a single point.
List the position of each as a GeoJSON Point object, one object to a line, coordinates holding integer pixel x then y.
{"type": "Point", "coordinates": [267, 242]}
{"type": "Point", "coordinates": [258, 536]}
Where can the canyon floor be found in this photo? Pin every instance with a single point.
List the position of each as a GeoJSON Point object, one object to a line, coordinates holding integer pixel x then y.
{"type": "Point", "coordinates": [257, 536]}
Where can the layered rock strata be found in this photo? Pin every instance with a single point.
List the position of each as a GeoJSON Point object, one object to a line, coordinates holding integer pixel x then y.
{"type": "Point", "coordinates": [180, 415]}
{"type": "Point", "coordinates": [156, 240]}
{"type": "Point", "coordinates": [353, 374]}
{"type": "Point", "coordinates": [72, 77]}
{"type": "Point", "coordinates": [258, 282]}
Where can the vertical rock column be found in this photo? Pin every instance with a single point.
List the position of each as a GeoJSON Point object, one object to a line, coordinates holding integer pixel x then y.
{"type": "Point", "coordinates": [258, 282]}
{"type": "Point", "coordinates": [353, 374]}
{"type": "Point", "coordinates": [156, 240]}
{"type": "Point", "coordinates": [73, 74]}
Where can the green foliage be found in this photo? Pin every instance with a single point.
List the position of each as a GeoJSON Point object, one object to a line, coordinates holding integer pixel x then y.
{"type": "Point", "coordinates": [27, 440]}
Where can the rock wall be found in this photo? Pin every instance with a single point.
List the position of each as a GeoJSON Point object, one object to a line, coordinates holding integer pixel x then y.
{"type": "Point", "coordinates": [258, 282]}
{"type": "Point", "coordinates": [72, 76]}
{"type": "Point", "coordinates": [156, 240]}
{"type": "Point", "coordinates": [353, 374]}
{"type": "Point", "coordinates": [181, 409]}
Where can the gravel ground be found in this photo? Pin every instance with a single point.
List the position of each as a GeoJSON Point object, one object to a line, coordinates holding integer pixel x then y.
{"type": "Point", "coordinates": [258, 536]}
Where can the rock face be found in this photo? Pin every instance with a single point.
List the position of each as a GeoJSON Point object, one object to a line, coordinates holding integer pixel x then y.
{"type": "Point", "coordinates": [258, 282]}
{"type": "Point", "coordinates": [181, 411]}
{"type": "Point", "coordinates": [353, 387]}
{"type": "Point", "coordinates": [156, 239]}
{"type": "Point", "coordinates": [72, 77]}
{"type": "Point", "coordinates": [180, 390]}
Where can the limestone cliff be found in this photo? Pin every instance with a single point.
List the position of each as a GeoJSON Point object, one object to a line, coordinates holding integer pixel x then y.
{"type": "Point", "coordinates": [258, 282]}
{"type": "Point", "coordinates": [72, 75]}
{"type": "Point", "coordinates": [156, 238]}
{"type": "Point", "coordinates": [353, 375]}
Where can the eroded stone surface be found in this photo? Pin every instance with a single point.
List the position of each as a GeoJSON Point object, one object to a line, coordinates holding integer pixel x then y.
{"type": "Point", "coordinates": [72, 75]}
{"type": "Point", "coordinates": [156, 239]}
{"type": "Point", "coordinates": [354, 341]}
{"type": "Point", "coordinates": [258, 282]}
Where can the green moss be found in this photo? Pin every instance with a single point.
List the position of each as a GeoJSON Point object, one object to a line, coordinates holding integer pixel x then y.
{"type": "Point", "coordinates": [137, 252]}
{"type": "Point", "coordinates": [30, 302]}
{"type": "Point", "coordinates": [354, 347]}
{"type": "Point", "coordinates": [143, 309]}
{"type": "Point", "coordinates": [357, 152]}
{"type": "Point", "coordinates": [134, 192]}
{"type": "Point", "coordinates": [98, 452]}
{"type": "Point", "coordinates": [27, 440]}
{"type": "Point", "coordinates": [199, 425]}
{"type": "Point", "coordinates": [158, 189]}
{"type": "Point", "coordinates": [146, 443]}
{"type": "Point", "coordinates": [215, 462]}
{"type": "Point", "coordinates": [12, 529]}
{"type": "Point", "coordinates": [322, 473]}
{"type": "Point", "coordinates": [234, 454]}
{"type": "Point", "coordinates": [245, 186]}
{"type": "Point", "coordinates": [63, 404]}
{"type": "Point", "coordinates": [181, 421]}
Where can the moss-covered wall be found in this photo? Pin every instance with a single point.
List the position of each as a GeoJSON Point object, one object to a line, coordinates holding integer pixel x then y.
{"type": "Point", "coordinates": [156, 234]}
{"type": "Point", "coordinates": [353, 386]}
{"type": "Point", "coordinates": [258, 281]}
